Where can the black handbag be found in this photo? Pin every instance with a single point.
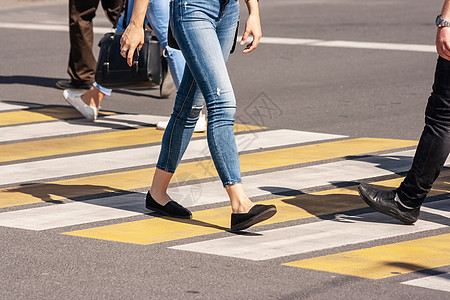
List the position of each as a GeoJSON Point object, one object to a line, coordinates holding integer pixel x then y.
{"type": "Point", "coordinates": [112, 68]}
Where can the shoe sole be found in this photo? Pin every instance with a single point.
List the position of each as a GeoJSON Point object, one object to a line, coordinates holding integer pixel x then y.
{"type": "Point", "coordinates": [69, 87]}
{"type": "Point", "coordinates": [390, 213]}
{"type": "Point", "coordinates": [159, 211]}
{"type": "Point", "coordinates": [262, 216]}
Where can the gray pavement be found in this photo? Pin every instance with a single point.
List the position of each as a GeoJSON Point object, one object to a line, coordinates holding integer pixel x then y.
{"type": "Point", "coordinates": [334, 90]}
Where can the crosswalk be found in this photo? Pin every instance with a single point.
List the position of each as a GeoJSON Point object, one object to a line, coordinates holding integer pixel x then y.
{"type": "Point", "coordinates": [62, 173]}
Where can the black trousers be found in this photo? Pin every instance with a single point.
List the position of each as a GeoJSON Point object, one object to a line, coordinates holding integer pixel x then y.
{"type": "Point", "coordinates": [434, 144]}
{"type": "Point", "coordinates": [82, 62]}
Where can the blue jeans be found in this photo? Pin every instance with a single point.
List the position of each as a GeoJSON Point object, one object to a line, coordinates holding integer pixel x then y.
{"type": "Point", "coordinates": [204, 30]}
{"type": "Point", "coordinates": [158, 17]}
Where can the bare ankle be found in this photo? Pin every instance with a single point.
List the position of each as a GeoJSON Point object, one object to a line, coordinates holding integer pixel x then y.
{"type": "Point", "coordinates": [240, 203]}
{"type": "Point", "coordinates": [93, 97]}
{"type": "Point", "coordinates": [241, 206]}
{"type": "Point", "coordinates": [160, 197]}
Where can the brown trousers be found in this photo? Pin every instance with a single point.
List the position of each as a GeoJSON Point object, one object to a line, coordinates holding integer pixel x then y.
{"type": "Point", "coordinates": [82, 62]}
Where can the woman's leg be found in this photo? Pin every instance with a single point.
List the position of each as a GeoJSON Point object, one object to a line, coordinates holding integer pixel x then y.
{"type": "Point", "coordinates": [206, 43]}
{"type": "Point", "coordinates": [206, 50]}
{"type": "Point", "coordinates": [179, 130]}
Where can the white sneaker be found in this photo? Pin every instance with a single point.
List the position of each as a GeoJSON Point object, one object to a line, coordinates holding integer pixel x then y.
{"type": "Point", "coordinates": [162, 125]}
{"type": "Point", "coordinates": [201, 124]}
{"type": "Point", "coordinates": [74, 99]}
{"type": "Point", "coordinates": [199, 127]}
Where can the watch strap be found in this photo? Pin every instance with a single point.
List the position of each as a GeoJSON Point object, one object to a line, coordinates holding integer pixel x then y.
{"type": "Point", "coordinates": [441, 22]}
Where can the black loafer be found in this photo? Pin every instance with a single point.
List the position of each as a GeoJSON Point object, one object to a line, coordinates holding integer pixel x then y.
{"type": "Point", "coordinates": [171, 209]}
{"type": "Point", "coordinates": [383, 201]}
{"type": "Point", "coordinates": [256, 214]}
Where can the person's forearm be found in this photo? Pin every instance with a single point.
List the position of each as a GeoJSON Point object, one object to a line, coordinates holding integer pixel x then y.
{"type": "Point", "coordinates": [138, 14]}
{"type": "Point", "coordinates": [252, 6]}
{"type": "Point", "coordinates": [445, 13]}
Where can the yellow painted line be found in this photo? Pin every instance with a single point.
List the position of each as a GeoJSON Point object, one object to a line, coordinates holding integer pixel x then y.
{"type": "Point", "coordinates": [316, 152]}
{"type": "Point", "coordinates": [127, 180]}
{"type": "Point", "coordinates": [385, 261]}
{"type": "Point", "coordinates": [99, 141]}
{"type": "Point", "coordinates": [157, 230]}
{"type": "Point", "coordinates": [40, 115]}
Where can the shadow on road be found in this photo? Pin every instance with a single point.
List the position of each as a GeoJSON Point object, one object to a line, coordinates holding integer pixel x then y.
{"type": "Point", "coordinates": [415, 268]}
{"type": "Point", "coordinates": [45, 191]}
{"type": "Point", "coordinates": [30, 80]}
{"type": "Point", "coordinates": [51, 83]}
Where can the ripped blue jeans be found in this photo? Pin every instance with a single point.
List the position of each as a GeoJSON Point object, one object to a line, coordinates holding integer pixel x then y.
{"type": "Point", "coordinates": [204, 30]}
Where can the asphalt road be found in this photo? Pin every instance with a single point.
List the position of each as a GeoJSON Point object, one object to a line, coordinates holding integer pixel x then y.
{"type": "Point", "coordinates": [348, 92]}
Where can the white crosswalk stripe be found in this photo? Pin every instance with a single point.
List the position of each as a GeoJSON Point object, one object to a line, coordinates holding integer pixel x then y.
{"type": "Point", "coordinates": [344, 230]}
{"type": "Point", "coordinates": [4, 106]}
{"type": "Point", "coordinates": [105, 161]}
{"type": "Point", "coordinates": [291, 180]}
{"type": "Point", "coordinates": [61, 128]}
{"type": "Point", "coordinates": [439, 282]}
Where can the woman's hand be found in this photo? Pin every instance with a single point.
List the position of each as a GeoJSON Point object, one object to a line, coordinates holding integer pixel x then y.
{"type": "Point", "coordinates": [132, 38]}
{"type": "Point", "coordinates": [252, 27]}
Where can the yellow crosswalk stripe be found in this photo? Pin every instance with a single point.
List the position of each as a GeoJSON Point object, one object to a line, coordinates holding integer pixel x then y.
{"type": "Point", "coordinates": [157, 230]}
{"type": "Point", "coordinates": [385, 261]}
{"type": "Point", "coordinates": [99, 141]}
{"type": "Point", "coordinates": [127, 180]}
{"type": "Point", "coordinates": [40, 115]}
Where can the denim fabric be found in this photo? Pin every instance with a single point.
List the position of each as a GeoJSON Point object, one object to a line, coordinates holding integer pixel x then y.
{"type": "Point", "coordinates": [158, 17]}
{"type": "Point", "coordinates": [102, 89]}
{"type": "Point", "coordinates": [434, 144]}
{"type": "Point", "coordinates": [204, 30]}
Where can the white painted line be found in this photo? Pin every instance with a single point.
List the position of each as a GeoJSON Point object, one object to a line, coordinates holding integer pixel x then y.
{"type": "Point", "coordinates": [111, 160]}
{"type": "Point", "coordinates": [297, 179]}
{"type": "Point", "coordinates": [376, 46]}
{"type": "Point", "coordinates": [264, 40]}
{"type": "Point", "coordinates": [48, 27]}
{"type": "Point", "coordinates": [344, 230]}
{"type": "Point", "coordinates": [349, 44]}
{"type": "Point", "coordinates": [439, 282]}
{"type": "Point", "coordinates": [61, 215]}
{"type": "Point", "coordinates": [59, 128]}
{"type": "Point", "coordinates": [7, 106]}
{"type": "Point", "coordinates": [287, 41]}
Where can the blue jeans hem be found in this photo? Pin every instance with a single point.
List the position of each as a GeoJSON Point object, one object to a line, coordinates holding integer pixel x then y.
{"type": "Point", "coordinates": [165, 169]}
{"type": "Point", "coordinates": [231, 182]}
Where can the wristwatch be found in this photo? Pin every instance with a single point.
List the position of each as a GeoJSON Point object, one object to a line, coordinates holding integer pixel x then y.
{"type": "Point", "coordinates": [441, 22]}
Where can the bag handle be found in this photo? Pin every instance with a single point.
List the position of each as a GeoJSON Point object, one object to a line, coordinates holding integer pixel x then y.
{"type": "Point", "coordinates": [121, 9]}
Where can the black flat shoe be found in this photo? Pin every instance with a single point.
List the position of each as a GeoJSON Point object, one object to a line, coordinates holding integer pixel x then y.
{"type": "Point", "coordinates": [171, 209]}
{"type": "Point", "coordinates": [256, 214]}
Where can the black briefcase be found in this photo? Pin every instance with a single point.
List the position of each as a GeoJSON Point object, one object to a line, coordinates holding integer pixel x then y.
{"type": "Point", "coordinates": [113, 70]}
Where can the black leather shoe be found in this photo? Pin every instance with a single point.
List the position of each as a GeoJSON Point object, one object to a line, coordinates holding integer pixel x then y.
{"type": "Point", "coordinates": [67, 84]}
{"type": "Point", "coordinates": [171, 209]}
{"type": "Point", "coordinates": [383, 201]}
{"type": "Point", "coordinates": [256, 214]}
